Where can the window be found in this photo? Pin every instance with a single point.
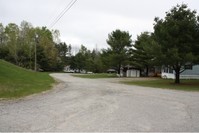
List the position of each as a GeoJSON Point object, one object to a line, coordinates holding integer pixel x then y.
{"type": "Point", "coordinates": [166, 69]}
{"type": "Point", "coordinates": [170, 70]}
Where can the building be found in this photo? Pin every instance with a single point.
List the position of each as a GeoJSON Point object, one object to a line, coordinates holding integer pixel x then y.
{"type": "Point", "coordinates": [192, 73]}
{"type": "Point", "coordinates": [130, 71]}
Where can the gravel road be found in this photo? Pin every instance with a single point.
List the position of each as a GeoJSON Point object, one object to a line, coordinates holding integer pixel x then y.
{"type": "Point", "coordinates": [77, 104]}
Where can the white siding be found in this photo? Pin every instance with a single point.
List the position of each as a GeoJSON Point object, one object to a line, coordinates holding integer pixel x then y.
{"type": "Point", "coordinates": [133, 73]}
{"type": "Point", "coordinates": [187, 74]}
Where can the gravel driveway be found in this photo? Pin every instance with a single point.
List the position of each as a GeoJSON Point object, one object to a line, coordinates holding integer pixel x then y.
{"type": "Point", "coordinates": [77, 104]}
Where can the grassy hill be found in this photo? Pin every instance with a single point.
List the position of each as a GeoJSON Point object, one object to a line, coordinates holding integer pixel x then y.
{"type": "Point", "coordinates": [17, 82]}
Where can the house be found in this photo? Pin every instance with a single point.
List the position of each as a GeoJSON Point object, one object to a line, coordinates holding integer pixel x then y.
{"type": "Point", "coordinates": [130, 71]}
{"type": "Point", "coordinates": [154, 71]}
{"type": "Point", "coordinates": [67, 69]}
{"type": "Point", "coordinates": [192, 73]}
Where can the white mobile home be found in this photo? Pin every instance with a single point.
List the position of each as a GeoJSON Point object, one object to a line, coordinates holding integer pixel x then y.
{"type": "Point", "coordinates": [169, 73]}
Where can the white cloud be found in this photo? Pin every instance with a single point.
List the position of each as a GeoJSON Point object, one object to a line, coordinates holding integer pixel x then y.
{"type": "Point", "coordinates": [90, 21]}
{"type": "Point", "coordinates": [97, 30]}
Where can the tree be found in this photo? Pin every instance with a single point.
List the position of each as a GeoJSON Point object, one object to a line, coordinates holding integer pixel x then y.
{"type": "Point", "coordinates": [47, 53]}
{"type": "Point", "coordinates": [120, 43]}
{"type": "Point", "coordinates": [3, 47]}
{"type": "Point", "coordinates": [87, 60]}
{"type": "Point", "coordinates": [177, 38]}
{"type": "Point", "coordinates": [63, 51]}
{"type": "Point", "coordinates": [141, 53]}
{"type": "Point", "coordinates": [96, 62]}
{"type": "Point", "coordinates": [17, 45]}
{"type": "Point", "coordinates": [2, 34]}
{"type": "Point", "coordinates": [12, 32]}
{"type": "Point", "coordinates": [80, 60]}
{"type": "Point", "coordinates": [27, 42]}
{"type": "Point", "coordinates": [106, 59]}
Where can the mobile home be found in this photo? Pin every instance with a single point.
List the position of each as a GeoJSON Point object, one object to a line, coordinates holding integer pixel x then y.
{"type": "Point", "coordinates": [169, 73]}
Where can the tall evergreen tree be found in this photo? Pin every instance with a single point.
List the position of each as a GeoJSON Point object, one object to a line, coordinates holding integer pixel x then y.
{"type": "Point", "coordinates": [142, 56]}
{"type": "Point", "coordinates": [177, 37]}
{"type": "Point", "coordinates": [120, 42]}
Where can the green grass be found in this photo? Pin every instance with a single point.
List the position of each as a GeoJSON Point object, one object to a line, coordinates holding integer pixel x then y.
{"type": "Point", "coordinates": [18, 82]}
{"type": "Point", "coordinates": [185, 85]}
{"type": "Point", "coordinates": [95, 76]}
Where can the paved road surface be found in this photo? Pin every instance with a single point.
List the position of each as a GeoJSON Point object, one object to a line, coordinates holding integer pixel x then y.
{"type": "Point", "coordinates": [78, 104]}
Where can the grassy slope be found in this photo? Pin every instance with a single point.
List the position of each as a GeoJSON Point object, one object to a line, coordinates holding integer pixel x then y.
{"type": "Point", "coordinates": [18, 82]}
{"type": "Point", "coordinates": [185, 85]}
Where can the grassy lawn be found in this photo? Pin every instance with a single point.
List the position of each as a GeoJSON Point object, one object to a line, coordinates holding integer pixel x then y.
{"type": "Point", "coordinates": [95, 76]}
{"type": "Point", "coordinates": [17, 82]}
{"type": "Point", "coordinates": [185, 85]}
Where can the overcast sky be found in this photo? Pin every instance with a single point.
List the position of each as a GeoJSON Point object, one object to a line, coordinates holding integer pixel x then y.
{"type": "Point", "coordinates": [89, 22]}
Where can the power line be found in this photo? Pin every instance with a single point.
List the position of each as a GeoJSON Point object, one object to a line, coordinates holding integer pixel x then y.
{"type": "Point", "coordinates": [66, 9]}
{"type": "Point", "coordinates": [55, 12]}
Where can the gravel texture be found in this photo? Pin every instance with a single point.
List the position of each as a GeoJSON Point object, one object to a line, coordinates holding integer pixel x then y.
{"type": "Point", "coordinates": [100, 105]}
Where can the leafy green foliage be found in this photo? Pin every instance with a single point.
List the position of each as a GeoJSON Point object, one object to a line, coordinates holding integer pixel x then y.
{"type": "Point", "coordinates": [97, 64]}
{"type": "Point", "coordinates": [120, 42]}
{"type": "Point", "coordinates": [47, 54]}
{"type": "Point", "coordinates": [142, 53]}
{"type": "Point", "coordinates": [177, 38]}
{"type": "Point", "coordinates": [79, 61]}
{"type": "Point", "coordinates": [106, 59]}
{"type": "Point", "coordinates": [17, 45]}
{"type": "Point", "coordinates": [64, 53]}
{"type": "Point", "coordinates": [87, 60]}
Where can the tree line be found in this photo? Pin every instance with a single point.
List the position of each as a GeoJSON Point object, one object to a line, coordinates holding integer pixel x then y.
{"type": "Point", "coordinates": [19, 44]}
{"type": "Point", "coordinates": [174, 43]}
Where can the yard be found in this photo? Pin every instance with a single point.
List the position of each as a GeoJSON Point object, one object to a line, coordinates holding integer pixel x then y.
{"type": "Point", "coordinates": [185, 85]}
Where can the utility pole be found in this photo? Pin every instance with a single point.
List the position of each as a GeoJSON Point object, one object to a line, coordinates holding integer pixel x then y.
{"type": "Point", "coordinates": [36, 41]}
